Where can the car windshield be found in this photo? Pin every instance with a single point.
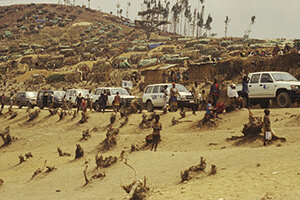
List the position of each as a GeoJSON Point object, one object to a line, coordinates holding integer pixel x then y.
{"type": "Point", "coordinates": [59, 93]}
{"type": "Point", "coordinates": [283, 77]}
{"type": "Point", "coordinates": [31, 94]}
{"type": "Point", "coordinates": [180, 88]}
{"type": "Point", "coordinates": [120, 90]}
{"type": "Point", "coordinates": [83, 92]}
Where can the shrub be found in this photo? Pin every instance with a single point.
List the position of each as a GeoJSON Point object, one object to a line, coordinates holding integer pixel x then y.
{"type": "Point", "coordinates": [55, 78]}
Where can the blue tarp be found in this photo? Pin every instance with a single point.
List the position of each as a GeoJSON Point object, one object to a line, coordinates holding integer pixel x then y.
{"type": "Point", "coordinates": [153, 46]}
{"type": "Point", "coordinates": [40, 20]}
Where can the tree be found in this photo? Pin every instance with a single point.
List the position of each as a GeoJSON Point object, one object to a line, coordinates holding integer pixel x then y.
{"type": "Point", "coordinates": [89, 3]}
{"type": "Point", "coordinates": [200, 22]}
{"type": "Point", "coordinates": [151, 17]}
{"type": "Point", "coordinates": [127, 10]}
{"type": "Point", "coordinates": [207, 25]}
{"type": "Point", "coordinates": [248, 30]}
{"type": "Point", "coordinates": [188, 18]}
{"type": "Point", "coordinates": [176, 10]}
{"type": "Point", "coordinates": [118, 8]}
{"type": "Point", "coordinates": [194, 21]}
{"type": "Point", "coordinates": [227, 20]}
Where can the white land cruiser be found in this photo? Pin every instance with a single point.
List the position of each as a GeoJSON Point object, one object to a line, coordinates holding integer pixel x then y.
{"type": "Point", "coordinates": [72, 94]}
{"type": "Point", "coordinates": [153, 96]}
{"type": "Point", "coordinates": [266, 86]}
{"type": "Point", "coordinates": [111, 93]}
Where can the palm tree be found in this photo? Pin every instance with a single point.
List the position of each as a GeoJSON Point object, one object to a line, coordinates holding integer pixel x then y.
{"type": "Point", "coordinates": [248, 31]}
{"type": "Point", "coordinates": [227, 20]}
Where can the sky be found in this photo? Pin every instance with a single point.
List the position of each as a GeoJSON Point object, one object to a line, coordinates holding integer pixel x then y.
{"type": "Point", "coordinates": [274, 18]}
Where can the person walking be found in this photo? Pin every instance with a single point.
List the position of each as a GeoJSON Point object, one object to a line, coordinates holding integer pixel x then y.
{"type": "Point", "coordinates": [267, 127]}
{"type": "Point", "coordinates": [78, 102]}
{"type": "Point", "coordinates": [157, 127]}
{"type": "Point", "coordinates": [245, 91]}
{"type": "Point", "coordinates": [215, 92]}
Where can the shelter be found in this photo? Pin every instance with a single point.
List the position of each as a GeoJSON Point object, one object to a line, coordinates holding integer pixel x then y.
{"type": "Point", "coordinates": [154, 74]}
{"type": "Point", "coordinates": [201, 71]}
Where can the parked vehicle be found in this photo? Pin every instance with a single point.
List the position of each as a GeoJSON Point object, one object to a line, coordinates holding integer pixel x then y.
{"type": "Point", "coordinates": [279, 86]}
{"type": "Point", "coordinates": [153, 96]}
{"type": "Point", "coordinates": [26, 99]}
{"type": "Point", "coordinates": [126, 98]}
{"type": "Point", "coordinates": [71, 94]}
{"type": "Point", "coordinates": [44, 98]}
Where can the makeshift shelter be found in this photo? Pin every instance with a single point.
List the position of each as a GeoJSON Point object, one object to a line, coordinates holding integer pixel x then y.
{"type": "Point", "coordinates": [155, 74]}
{"type": "Point", "coordinates": [201, 71]}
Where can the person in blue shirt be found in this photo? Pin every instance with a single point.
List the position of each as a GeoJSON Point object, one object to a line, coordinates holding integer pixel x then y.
{"type": "Point", "coordinates": [209, 110]}
{"type": "Point", "coordinates": [245, 90]}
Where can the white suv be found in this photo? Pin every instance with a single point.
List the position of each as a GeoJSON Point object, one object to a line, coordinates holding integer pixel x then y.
{"type": "Point", "coordinates": [153, 95]}
{"type": "Point", "coordinates": [71, 94]}
{"type": "Point", "coordinates": [266, 86]}
{"type": "Point", "coordinates": [111, 93]}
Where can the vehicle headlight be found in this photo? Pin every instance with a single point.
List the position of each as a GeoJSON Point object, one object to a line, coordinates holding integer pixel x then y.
{"type": "Point", "coordinates": [295, 87]}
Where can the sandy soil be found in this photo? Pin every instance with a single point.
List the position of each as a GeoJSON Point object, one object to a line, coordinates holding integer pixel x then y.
{"type": "Point", "coordinates": [239, 176]}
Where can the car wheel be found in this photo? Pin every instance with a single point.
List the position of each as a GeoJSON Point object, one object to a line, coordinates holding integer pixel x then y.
{"type": "Point", "coordinates": [19, 105]}
{"type": "Point", "coordinates": [264, 104]}
{"type": "Point", "coordinates": [283, 100]}
{"type": "Point", "coordinates": [149, 106]}
{"type": "Point", "coordinates": [97, 106]}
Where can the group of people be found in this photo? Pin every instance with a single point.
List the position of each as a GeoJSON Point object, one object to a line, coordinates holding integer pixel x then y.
{"type": "Point", "coordinates": [174, 76]}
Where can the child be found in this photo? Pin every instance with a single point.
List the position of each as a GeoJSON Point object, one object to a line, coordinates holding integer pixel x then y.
{"type": "Point", "coordinates": [156, 132]}
{"type": "Point", "coordinates": [117, 101]}
{"type": "Point", "coordinates": [267, 127]}
{"type": "Point", "coordinates": [209, 111]}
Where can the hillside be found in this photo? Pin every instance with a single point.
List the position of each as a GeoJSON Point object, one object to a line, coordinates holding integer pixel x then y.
{"type": "Point", "coordinates": [247, 171]}
{"type": "Point", "coordinates": [87, 48]}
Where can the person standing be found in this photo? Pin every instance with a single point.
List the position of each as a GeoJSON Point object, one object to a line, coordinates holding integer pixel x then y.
{"type": "Point", "coordinates": [165, 95]}
{"type": "Point", "coordinates": [267, 127]}
{"type": "Point", "coordinates": [89, 100]}
{"type": "Point", "coordinates": [245, 90]}
{"type": "Point", "coordinates": [2, 100]}
{"type": "Point", "coordinates": [78, 102]}
{"type": "Point", "coordinates": [173, 97]}
{"type": "Point", "coordinates": [196, 97]}
{"type": "Point", "coordinates": [117, 102]}
{"type": "Point", "coordinates": [214, 92]}
{"type": "Point", "coordinates": [157, 127]}
{"type": "Point", "coordinates": [84, 105]}
{"type": "Point", "coordinates": [103, 100]}
{"type": "Point", "coordinates": [203, 99]}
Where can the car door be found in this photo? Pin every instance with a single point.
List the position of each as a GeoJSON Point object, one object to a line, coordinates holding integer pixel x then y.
{"type": "Point", "coordinates": [155, 97]}
{"type": "Point", "coordinates": [147, 94]}
{"type": "Point", "coordinates": [267, 87]}
{"type": "Point", "coordinates": [254, 86]}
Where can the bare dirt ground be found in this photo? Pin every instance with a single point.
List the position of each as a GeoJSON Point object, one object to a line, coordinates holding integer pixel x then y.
{"type": "Point", "coordinates": [248, 171]}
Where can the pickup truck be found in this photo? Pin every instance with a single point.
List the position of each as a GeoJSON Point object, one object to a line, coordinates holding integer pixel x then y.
{"type": "Point", "coordinates": [279, 86]}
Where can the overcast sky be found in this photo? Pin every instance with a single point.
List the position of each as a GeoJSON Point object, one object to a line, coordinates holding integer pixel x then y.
{"type": "Point", "coordinates": [274, 18]}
